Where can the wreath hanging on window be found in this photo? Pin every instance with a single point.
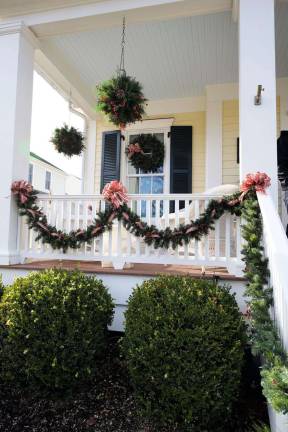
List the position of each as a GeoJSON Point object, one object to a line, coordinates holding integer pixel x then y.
{"type": "Point", "coordinates": [146, 152]}
{"type": "Point", "coordinates": [121, 98]}
{"type": "Point", "coordinates": [68, 140]}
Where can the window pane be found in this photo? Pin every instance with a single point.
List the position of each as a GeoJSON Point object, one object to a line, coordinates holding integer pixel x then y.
{"type": "Point", "coordinates": [48, 180]}
{"type": "Point", "coordinates": [145, 185]}
{"type": "Point", "coordinates": [159, 136]}
{"type": "Point", "coordinates": [131, 169]}
{"type": "Point", "coordinates": [133, 185]}
{"type": "Point", "coordinates": [157, 185]}
{"type": "Point", "coordinates": [30, 174]}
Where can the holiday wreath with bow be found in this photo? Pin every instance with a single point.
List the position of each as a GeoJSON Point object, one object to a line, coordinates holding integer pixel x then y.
{"type": "Point", "coordinates": [146, 152]}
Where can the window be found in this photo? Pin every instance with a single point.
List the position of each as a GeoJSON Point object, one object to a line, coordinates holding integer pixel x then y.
{"type": "Point", "coordinates": [30, 173]}
{"type": "Point", "coordinates": [140, 182]}
{"type": "Point", "coordinates": [48, 180]}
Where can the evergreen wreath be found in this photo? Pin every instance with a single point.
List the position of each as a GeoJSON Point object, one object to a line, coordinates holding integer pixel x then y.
{"type": "Point", "coordinates": [146, 152]}
{"type": "Point", "coordinates": [264, 335]}
{"type": "Point", "coordinates": [68, 140]}
{"type": "Point", "coordinates": [121, 98]}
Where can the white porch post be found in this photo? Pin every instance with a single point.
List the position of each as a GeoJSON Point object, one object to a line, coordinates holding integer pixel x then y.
{"type": "Point", "coordinates": [89, 159]}
{"type": "Point", "coordinates": [213, 176]}
{"type": "Point", "coordinates": [258, 151]}
{"type": "Point", "coordinates": [17, 46]}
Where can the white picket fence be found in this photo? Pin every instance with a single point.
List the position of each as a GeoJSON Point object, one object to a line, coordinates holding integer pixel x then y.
{"type": "Point", "coordinates": [221, 247]}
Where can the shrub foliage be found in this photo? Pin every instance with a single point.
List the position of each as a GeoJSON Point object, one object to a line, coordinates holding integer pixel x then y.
{"type": "Point", "coordinates": [55, 326]}
{"type": "Point", "coordinates": [184, 345]}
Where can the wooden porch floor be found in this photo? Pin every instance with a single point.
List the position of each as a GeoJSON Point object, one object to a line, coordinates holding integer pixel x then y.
{"type": "Point", "coordinates": [136, 270]}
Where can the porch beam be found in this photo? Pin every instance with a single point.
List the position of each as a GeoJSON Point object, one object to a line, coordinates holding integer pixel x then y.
{"type": "Point", "coordinates": [17, 45]}
{"type": "Point", "coordinates": [258, 150]}
{"type": "Point", "coordinates": [107, 13]}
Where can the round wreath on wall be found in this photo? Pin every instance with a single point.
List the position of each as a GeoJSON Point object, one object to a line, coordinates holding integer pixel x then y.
{"type": "Point", "coordinates": [146, 152]}
{"type": "Point", "coordinates": [68, 140]}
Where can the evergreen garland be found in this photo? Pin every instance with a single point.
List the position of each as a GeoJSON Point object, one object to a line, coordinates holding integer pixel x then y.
{"type": "Point", "coordinates": [146, 152]}
{"type": "Point", "coordinates": [265, 338]}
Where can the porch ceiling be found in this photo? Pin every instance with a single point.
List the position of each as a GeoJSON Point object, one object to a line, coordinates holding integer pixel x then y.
{"type": "Point", "coordinates": [172, 58]}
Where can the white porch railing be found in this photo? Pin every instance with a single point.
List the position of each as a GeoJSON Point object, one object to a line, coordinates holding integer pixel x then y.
{"type": "Point", "coordinates": [221, 247]}
{"type": "Point", "coordinates": [276, 247]}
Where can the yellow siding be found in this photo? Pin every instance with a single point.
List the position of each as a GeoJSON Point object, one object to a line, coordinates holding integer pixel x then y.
{"type": "Point", "coordinates": [196, 120]}
{"type": "Point", "coordinates": [230, 131]}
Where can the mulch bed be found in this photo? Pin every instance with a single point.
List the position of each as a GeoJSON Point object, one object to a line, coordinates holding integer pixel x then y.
{"type": "Point", "coordinates": [106, 405]}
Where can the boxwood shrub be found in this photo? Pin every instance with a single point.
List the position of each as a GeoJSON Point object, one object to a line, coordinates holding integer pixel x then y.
{"type": "Point", "coordinates": [184, 347]}
{"type": "Point", "coordinates": [55, 328]}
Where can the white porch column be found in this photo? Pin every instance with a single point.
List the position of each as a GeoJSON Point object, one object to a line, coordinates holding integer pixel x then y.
{"type": "Point", "coordinates": [17, 45]}
{"type": "Point", "coordinates": [213, 169]}
{"type": "Point", "coordinates": [258, 150]}
{"type": "Point", "coordinates": [89, 159]}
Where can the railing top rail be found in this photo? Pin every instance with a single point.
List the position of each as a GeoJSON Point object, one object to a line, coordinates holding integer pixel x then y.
{"type": "Point", "coordinates": [147, 197]}
{"type": "Point", "coordinates": [273, 227]}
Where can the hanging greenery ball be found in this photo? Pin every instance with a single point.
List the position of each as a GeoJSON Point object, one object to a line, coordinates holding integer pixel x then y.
{"type": "Point", "coordinates": [146, 152]}
{"type": "Point", "coordinates": [121, 99]}
{"type": "Point", "coordinates": [68, 140]}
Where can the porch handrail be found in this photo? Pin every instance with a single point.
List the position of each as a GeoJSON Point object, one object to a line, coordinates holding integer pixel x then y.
{"type": "Point", "coordinates": [149, 197]}
{"type": "Point", "coordinates": [276, 245]}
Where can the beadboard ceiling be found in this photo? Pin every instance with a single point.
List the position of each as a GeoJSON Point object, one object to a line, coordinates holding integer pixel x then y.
{"type": "Point", "coordinates": [173, 59]}
{"type": "Point", "coordinates": [10, 8]}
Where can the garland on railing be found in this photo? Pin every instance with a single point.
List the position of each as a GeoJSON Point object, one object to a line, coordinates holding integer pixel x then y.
{"type": "Point", "coordinates": [115, 194]}
{"type": "Point", "coordinates": [264, 335]}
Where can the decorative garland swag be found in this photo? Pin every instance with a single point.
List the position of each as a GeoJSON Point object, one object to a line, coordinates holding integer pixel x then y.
{"type": "Point", "coordinates": [264, 335]}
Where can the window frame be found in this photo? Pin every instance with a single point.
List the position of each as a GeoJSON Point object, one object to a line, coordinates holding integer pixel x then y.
{"type": "Point", "coordinates": [148, 127]}
{"type": "Point", "coordinates": [49, 172]}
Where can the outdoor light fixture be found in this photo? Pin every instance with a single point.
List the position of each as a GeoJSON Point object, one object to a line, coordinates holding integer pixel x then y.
{"type": "Point", "coordinates": [258, 97]}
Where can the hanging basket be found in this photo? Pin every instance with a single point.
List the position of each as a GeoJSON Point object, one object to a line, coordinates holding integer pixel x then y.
{"type": "Point", "coordinates": [68, 140]}
{"type": "Point", "coordinates": [121, 99]}
{"type": "Point", "coordinates": [146, 152]}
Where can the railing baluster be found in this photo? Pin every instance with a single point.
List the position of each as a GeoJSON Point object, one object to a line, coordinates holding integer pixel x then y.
{"type": "Point", "coordinates": [227, 236]}
{"type": "Point", "coordinates": [196, 215]}
{"type": "Point", "coordinates": [186, 210]}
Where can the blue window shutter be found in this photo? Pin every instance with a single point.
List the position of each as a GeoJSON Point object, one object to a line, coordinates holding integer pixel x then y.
{"type": "Point", "coordinates": [181, 159]}
{"type": "Point", "coordinates": [111, 154]}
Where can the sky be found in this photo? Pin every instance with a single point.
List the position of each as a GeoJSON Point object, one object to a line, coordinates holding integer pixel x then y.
{"type": "Point", "coordinates": [51, 110]}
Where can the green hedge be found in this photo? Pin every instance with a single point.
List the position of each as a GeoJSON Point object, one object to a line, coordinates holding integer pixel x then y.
{"type": "Point", "coordinates": [184, 347]}
{"type": "Point", "coordinates": [55, 328]}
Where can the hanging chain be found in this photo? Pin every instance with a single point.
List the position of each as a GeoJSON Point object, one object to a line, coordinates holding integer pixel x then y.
{"type": "Point", "coordinates": [122, 58]}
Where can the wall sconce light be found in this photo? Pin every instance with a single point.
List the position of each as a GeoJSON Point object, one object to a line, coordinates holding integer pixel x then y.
{"type": "Point", "coordinates": [258, 97]}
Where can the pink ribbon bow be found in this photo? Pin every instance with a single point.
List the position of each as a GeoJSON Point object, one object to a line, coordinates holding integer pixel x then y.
{"type": "Point", "coordinates": [259, 181]}
{"type": "Point", "coordinates": [115, 193]}
{"type": "Point", "coordinates": [23, 189]}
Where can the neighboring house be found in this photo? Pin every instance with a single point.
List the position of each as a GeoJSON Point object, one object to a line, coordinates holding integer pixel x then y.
{"type": "Point", "coordinates": [216, 76]}
{"type": "Point", "coordinates": [47, 178]}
